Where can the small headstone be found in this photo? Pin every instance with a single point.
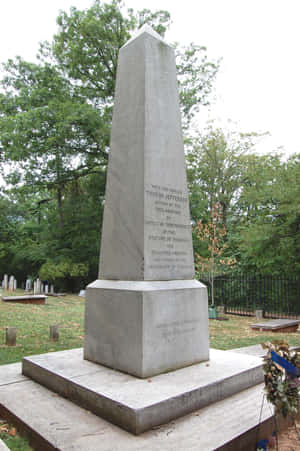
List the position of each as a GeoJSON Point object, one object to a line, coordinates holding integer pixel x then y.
{"type": "Point", "coordinates": [11, 283]}
{"type": "Point", "coordinates": [11, 336]}
{"type": "Point", "coordinates": [221, 309]}
{"type": "Point", "coordinates": [259, 314]}
{"type": "Point", "coordinates": [28, 285]}
{"type": "Point", "coordinates": [52, 289]}
{"type": "Point", "coordinates": [5, 282]}
{"type": "Point", "coordinates": [82, 293]}
{"type": "Point", "coordinates": [54, 332]}
{"type": "Point", "coordinates": [38, 286]}
{"type": "Point", "coordinates": [46, 289]}
{"type": "Point", "coordinates": [15, 284]}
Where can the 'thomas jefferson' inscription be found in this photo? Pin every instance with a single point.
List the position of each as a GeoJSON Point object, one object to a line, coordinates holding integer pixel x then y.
{"type": "Point", "coordinates": [168, 241]}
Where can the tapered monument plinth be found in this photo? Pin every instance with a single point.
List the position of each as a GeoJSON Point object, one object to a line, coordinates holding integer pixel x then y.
{"type": "Point", "coordinates": [145, 315]}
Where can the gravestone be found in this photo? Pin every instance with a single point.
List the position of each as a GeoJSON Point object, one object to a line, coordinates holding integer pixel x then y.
{"type": "Point", "coordinates": [15, 284]}
{"type": "Point", "coordinates": [277, 325]}
{"type": "Point", "coordinates": [11, 283]}
{"type": "Point", "coordinates": [146, 314]}
{"type": "Point", "coordinates": [52, 289]}
{"type": "Point", "coordinates": [5, 282]}
{"type": "Point", "coordinates": [38, 286]}
{"type": "Point", "coordinates": [28, 285]}
{"type": "Point", "coordinates": [46, 289]}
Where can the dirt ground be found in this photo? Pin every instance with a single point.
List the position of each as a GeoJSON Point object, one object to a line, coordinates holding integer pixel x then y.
{"type": "Point", "coordinates": [289, 439]}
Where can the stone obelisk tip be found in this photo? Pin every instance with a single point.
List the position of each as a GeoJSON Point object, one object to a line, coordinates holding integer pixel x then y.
{"type": "Point", "coordinates": [144, 29]}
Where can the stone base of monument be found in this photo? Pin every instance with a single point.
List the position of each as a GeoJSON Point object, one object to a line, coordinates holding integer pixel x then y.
{"type": "Point", "coordinates": [138, 405]}
{"type": "Point", "coordinates": [146, 328]}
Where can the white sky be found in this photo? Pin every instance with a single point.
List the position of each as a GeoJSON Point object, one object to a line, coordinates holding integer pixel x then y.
{"type": "Point", "coordinates": [258, 40]}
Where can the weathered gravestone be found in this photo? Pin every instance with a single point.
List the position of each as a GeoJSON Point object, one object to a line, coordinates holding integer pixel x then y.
{"type": "Point", "coordinates": [28, 285]}
{"type": "Point", "coordinates": [5, 282]}
{"type": "Point", "coordinates": [11, 283]}
{"type": "Point", "coordinates": [37, 286]}
{"type": "Point", "coordinates": [145, 314]}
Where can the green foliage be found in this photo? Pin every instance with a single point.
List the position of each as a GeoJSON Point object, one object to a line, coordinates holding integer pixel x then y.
{"type": "Point", "coordinates": [12, 439]}
{"type": "Point", "coordinates": [63, 270]}
{"type": "Point", "coordinates": [269, 232]}
{"type": "Point", "coordinates": [55, 119]}
{"type": "Point", "coordinates": [258, 196]}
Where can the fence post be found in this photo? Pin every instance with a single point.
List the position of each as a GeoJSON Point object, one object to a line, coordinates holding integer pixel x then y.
{"type": "Point", "coordinates": [260, 292]}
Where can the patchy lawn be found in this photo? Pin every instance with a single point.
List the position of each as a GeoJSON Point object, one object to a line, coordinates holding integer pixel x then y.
{"type": "Point", "coordinates": [33, 323]}
{"type": "Point", "coordinates": [236, 333]}
{"type": "Point", "coordinates": [33, 326]}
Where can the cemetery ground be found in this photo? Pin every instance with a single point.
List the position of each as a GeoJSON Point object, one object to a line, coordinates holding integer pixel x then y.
{"type": "Point", "coordinates": [33, 323]}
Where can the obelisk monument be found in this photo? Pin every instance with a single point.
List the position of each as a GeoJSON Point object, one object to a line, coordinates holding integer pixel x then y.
{"type": "Point", "coordinates": [146, 314]}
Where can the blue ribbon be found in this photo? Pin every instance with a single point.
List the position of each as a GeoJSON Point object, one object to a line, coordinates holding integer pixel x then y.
{"type": "Point", "coordinates": [288, 366]}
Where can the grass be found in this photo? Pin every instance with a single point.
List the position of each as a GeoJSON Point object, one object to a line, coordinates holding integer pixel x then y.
{"type": "Point", "coordinates": [12, 439]}
{"type": "Point", "coordinates": [33, 323]}
{"type": "Point", "coordinates": [33, 326]}
{"type": "Point", "coordinates": [237, 333]}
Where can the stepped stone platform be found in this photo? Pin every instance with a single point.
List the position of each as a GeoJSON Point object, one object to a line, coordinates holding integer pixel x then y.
{"type": "Point", "coordinates": [27, 299]}
{"type": "Point", "coordinates": [138, 405]}
{"type": "Point", "coordinates": [277, 325]}
{"type": "Point", "coordinates": [54, 423]}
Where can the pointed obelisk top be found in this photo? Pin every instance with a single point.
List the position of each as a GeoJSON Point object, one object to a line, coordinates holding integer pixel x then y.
{"type": "Point", "coordinates": [145, 29]}
{"type": "Point", "coordinates": [146, 232]}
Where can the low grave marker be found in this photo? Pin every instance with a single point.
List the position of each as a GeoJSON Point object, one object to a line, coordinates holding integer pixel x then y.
{"type": "Point", "coordinates": [11, 336]}
{"type": "Point", "coordinates": [277, 325]}
{"type": "Point", "coordinates": [27, 299]}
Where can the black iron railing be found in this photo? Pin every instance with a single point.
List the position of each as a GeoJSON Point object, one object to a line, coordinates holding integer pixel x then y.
{"type": "Point", "coordinates": [277, 296]}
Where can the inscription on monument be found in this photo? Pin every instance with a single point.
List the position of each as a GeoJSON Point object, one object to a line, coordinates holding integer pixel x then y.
{"type": "Point", "coordinates": [167, 233]}
{"type": "Point", "coordinates": [176, 328]}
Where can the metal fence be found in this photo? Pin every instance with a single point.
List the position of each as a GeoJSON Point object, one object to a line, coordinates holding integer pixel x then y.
{"type": "Point", "coordinates": [277, 296]}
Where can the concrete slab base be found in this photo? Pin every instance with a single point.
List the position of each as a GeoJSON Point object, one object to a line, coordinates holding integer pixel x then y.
{"type": "Point", "coordinates": [138, 405]}
{"type": "Point", "coordinates": [55, 423]}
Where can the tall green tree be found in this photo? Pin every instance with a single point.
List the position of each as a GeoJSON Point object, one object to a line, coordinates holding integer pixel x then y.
{"type": "Point", "coordinates": [217, 170]}
{"type": "Point", "coordinates": [55, 119]}
{"type": "Point", "coordinates": [269, 233]}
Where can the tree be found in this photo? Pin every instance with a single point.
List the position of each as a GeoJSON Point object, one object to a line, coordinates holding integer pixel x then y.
{"type": "Point", "coordinates": [269, 235]}
{"type": "Point", "coordinates": [47, 129]}
{"type": "Point", "coordinates": [104, 29]}
{"type": "Point", "coordinates": [212, 234]}
{"type": "Point", "coordinates": [216, 169]}
{"type": "Point", "coordinates": [55, 119]}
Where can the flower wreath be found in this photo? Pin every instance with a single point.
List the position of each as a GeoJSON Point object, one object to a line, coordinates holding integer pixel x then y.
{"type": "Point", "coordinates": [281, 388]}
